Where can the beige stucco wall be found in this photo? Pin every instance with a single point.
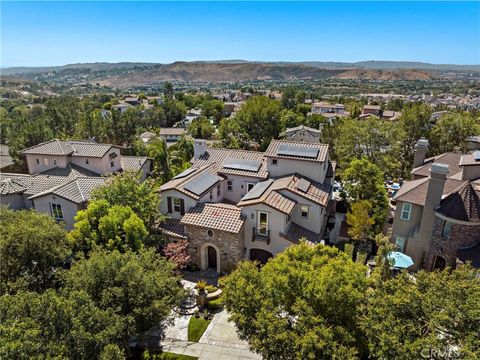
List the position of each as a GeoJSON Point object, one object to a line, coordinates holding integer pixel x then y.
{"type": "Point", "coordinates": [404, 228]}
{"type": "Point", "coordinates": [471, 172]}
{"type": "Point", "coordinates": [34, 168]}
{"type": "Point", "coordinates": [239, 187]}
{"type": "Point", "coordinates": [316, 213]}
{"type": "Point", "coordinates": [100, 165]}
{"type": "Point", "coordinates": [277, 223]}
{"type": "Point", "coordinates": [13, 201]}
{"type": "Point", "coordinates": [313, 170]}
{"type": "Point", "coordinates": [69, 209]}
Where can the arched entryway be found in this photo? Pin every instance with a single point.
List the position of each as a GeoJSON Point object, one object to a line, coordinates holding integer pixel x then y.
{"type": "Point", "coordinates": [210, 257]}
{"type": "Point", "coordinates": [260, 255]}
{"type": "Point", "coordinates": [439, 263]}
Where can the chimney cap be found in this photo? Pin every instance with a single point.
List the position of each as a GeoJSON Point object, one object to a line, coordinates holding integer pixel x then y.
{"type": "Point", "coordinates": [422, 142]}
{"type": "Point", "coordinates": [439, 168]}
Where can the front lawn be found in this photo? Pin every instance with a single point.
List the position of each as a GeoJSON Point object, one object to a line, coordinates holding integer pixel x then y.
{"type": "Point", "coordinates": [196, 328]}
{"type": "Point", "coordinates": [172, 356]}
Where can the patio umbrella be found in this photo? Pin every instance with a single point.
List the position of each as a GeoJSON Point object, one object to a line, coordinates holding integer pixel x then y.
{"type": "Point", "coordinates": [399, 260]}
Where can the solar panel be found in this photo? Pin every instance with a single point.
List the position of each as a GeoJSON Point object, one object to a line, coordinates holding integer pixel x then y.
{"type": "Point", "coordinates": [258, 190]}
{"type": "Point", "coordinates": [298, 151]}
{"type": "Point", "coordinates": [303, 185]}
{"type": "Point", "coordinates": [476, 155]}
{"type": "Point", "coordinates": [198, 185]}
{"type": "Point", "coordinates": [184, 173]}
{"type": "Point", "coordinates": [241, 164]}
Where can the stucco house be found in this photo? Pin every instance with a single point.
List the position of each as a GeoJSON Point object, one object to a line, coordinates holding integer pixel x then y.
{"type": "Point", "coordinates": [62, 175]}
{"type": "Point", "coordinates": [237, 204]}
{"type": "Point", "coordinates": [437, 219]}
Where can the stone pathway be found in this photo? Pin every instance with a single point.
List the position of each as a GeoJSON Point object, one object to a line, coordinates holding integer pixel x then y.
{"type": "Point", "coordinates": [222, 332]}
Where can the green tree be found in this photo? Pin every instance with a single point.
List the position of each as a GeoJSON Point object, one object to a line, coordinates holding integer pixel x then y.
{"type": "Point", "coordinates": [139, 287]}
{"type": "Point", "coordinates": [259, 118]}
{"type": "Point", "coordinates": [213, 109]}
{"type": "Point", "coordinates": [382, 263]}
{"type": "Point", "coordinates": [363, 180]}
{"type": "Point", "coordinates": [158, 151]}
{"type": "Point", "coordinates": [427, 316]}
{"type": "Point", "coordinates": [201, 128]}
{"type": "Point", "coordinates": [113, 227]}
{"type": "Point", "coordinates": [451, 132]}
{"type": "Point", "coordinates": [168, 90]}
{"type": "Point", "coordinates": [32, 247]}
{"type": "Point", "coordinates": [359, 220]}
{"type": "Point", "coordinates": [303, 304]}
{"type": "Point", "coordinates": [52, 326]}
{"type": "Point", "coordinates": [415, 123]}
{"type": "Point", "coordinates": [289, 97]}
{"type": "Point", "coordinates": [126, 189]}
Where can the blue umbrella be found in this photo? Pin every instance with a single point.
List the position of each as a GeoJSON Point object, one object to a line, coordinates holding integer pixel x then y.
{"type": "Point", "coordinates": [399, 260]}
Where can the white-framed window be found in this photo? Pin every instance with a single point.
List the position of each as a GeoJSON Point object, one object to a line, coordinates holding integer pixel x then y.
{"type": "Point", "coordinates": [57, 211]}
{"type": "Point", "coordinates": [274, 162]}
{"type": "Point", "coordinates": [86, 161]}
{"type": "Point", "coordinates": [54, 162]}
{"type": "Point", "coordinates": [218, 190]}
{"type": "Point", "coordinates": [406, 211]}
{"type": "Point", "coordinates": [177, 205]}
{"type": "Point", "coordinates": [45, 161]}
{"type": "Point", "coordinates": [447, 227]}
{"type": "Point", "coordinates": [37, 161]}
{"type": "Point", "coordinates": [399, 243]}
{"type": "Point", "coordinates": [262, 226]}
{"type": "Point", "coordinates": [229, 185]}
{"type": "Point", "coordinates": [304, 211]}
{"type": "Point", "coordinates": [250, 186]}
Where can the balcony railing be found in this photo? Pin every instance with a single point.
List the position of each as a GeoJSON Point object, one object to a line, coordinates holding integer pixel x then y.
{"type": "Point", "coordinates": [257, 236]}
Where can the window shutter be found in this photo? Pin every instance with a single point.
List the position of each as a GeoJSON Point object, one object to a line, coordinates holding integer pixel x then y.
{"type": "Point", "coordinates": [169, 203]}
{"type": "Point", "coordinates": [182, 207]}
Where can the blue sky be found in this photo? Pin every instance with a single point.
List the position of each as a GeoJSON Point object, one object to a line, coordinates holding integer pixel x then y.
{"type": "Point", "coordinates": [55, 33]}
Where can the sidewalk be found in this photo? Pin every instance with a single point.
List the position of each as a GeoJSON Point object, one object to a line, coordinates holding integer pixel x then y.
{"type": "Point", "coordinates": [207, 351]}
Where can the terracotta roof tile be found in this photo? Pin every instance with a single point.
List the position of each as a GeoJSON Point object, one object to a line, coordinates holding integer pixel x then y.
{"type": "Point", "coordinates": [218, 216]}
{"type": "Point", "coordinates": [275, 144]}
{"type": "Point", "coordinates": [173, 228]}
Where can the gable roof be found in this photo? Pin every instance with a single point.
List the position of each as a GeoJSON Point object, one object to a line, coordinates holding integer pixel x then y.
{"type": "Point", "coordinates": [133, 163]}
{"type": "Point", "coordinates": [217, 216]}
{"type": "Point", "coordinates": [217, 156]}
{"type": "Point", "coordinates": [300, 128]}
{"type": "Point", "coordinates": [178, 183]}
{"type": "Point", "coordinates": [415, 191]}
{"type": "Point", "coordinates": [172, 131]}
{"type": "Point", "coordinates": [272, 150]}
{"type": "Point", "coordinates": [275, 194]}
{"type": "Point", "coordinates": [452, 159]}
{"type": "Point", "coordinates": [74, 148]}
{"type": "Point", "coordinates": [11, 186]}
{"type": "Point", "coordinates": [77, 190]}
{"type": "Point", "coordinates": [463, 204]}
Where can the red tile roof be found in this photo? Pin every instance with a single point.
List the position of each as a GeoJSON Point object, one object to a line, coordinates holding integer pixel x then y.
{"type": "Point", "coordinates": [217, 216]}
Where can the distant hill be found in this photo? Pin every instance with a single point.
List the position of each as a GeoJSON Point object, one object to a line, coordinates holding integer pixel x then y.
{"type": "Point", "coordinates": [128, 74]}
{"type": "Point", "coordinates": [386, 75]}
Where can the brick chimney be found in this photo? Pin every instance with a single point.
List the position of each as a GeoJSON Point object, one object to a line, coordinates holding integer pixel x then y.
{"type": "Point", "coordinates": [421, 148]}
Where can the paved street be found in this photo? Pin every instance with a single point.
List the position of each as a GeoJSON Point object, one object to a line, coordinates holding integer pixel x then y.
{"type": "Point", "coordinates": [207, 351]}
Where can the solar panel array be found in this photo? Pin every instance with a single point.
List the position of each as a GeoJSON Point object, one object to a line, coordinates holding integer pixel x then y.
{"type": "Point", "coordinates": [476, 155]}
{"type": "Point", "coordinates": [241, 164]}
{"type": "Point", "coordinates": [303, 185]}
{"type": "Point", "coordinates": [298, 151]}
{"type": "Point", "coordinates": [198, 185]}
{"type": "Point", "coordinates": [258, 190]}
{"type": "Point", "coordinates": [185, 173]}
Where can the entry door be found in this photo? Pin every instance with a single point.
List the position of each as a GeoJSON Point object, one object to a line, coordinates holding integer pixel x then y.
{"type": "Point", "coordinates": [212, 257]}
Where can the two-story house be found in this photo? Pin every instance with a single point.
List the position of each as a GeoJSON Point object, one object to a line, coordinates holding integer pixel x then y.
{"type": "Point", "coordinates": [302, 133]}
{"type": "Point", "coordinates": [437, 219]}
{"type": "Point", "coordinates": [236, 204]}
{"type": "Point", "coordinates": [62, 175]}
